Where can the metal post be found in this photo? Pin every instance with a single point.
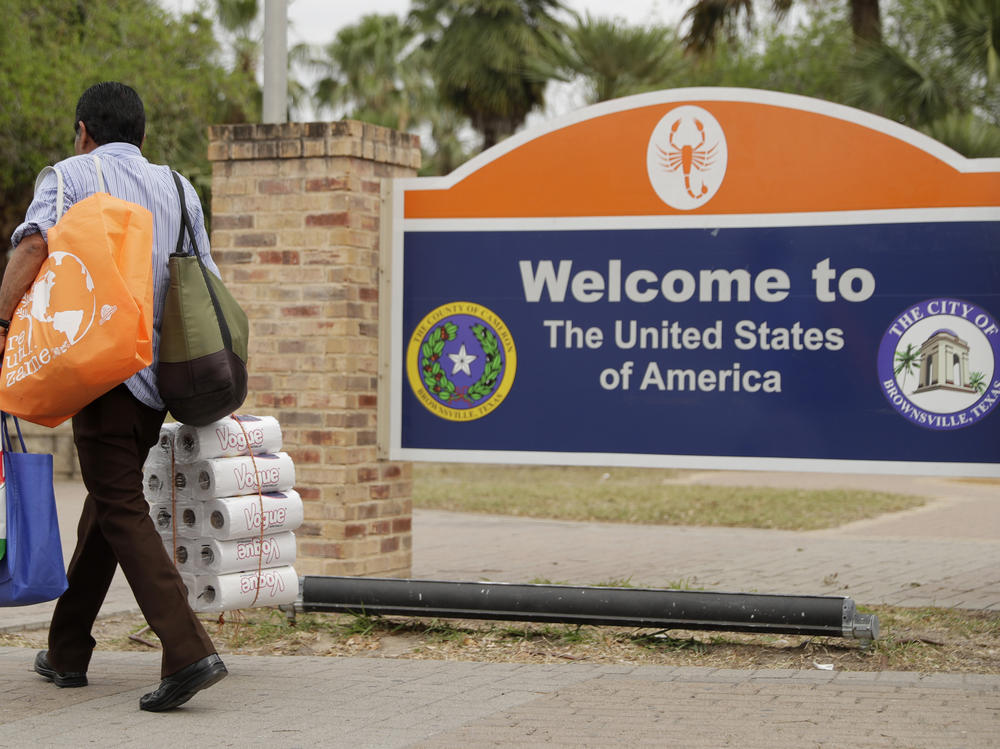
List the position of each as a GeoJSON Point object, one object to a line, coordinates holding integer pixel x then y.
{"type": "Point", "coordinates": [833, 616]}
{"type": "Point", "coordinates": [275, 109]}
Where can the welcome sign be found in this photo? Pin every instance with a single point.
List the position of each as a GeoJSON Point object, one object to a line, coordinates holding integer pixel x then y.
{"type": "Point", "coordinates": [708, 278]}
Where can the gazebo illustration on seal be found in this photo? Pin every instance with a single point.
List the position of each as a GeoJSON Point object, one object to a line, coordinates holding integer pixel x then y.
{"type": "Point", "coordinates": [944, 363]}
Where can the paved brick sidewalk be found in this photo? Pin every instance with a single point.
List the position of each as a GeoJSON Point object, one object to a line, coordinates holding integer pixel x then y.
{"type": "Point", "coordinates": [946, 554]}
{"type": "Point", "coordinates": [899, 571]}
{"type": "Point", "coordinates": [285, 702]}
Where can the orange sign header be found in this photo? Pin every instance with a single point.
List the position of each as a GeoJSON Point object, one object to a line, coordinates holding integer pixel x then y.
{"type": "Point", "coordinates": [708, 151]}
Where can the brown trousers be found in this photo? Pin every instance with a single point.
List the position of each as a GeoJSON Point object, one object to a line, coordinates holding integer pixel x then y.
{"type": "Point", "coordinates": [113, 435]}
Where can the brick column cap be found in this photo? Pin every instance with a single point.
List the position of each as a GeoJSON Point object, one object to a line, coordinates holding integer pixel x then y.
{"type": "Point", "coordinates": [292, 140]}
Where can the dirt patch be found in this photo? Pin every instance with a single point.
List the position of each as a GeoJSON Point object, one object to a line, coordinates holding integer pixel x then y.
{"type": "Point", "coordinates": [925, 640]}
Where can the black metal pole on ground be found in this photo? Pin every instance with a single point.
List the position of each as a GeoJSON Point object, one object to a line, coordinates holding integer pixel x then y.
{"type": "Point", "coordinates": [833, 616]}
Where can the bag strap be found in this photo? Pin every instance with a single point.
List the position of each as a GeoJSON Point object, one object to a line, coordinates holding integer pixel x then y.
{"type": "Point", "coordinates": [59, 187]}
{"type": "Point", "coordinates": [100, 174]}
{"type": "Point", "coordinates": [6, 443]}
{"type": "Point", "coordinates": [227, 338]}
{"type": "Point", "coordinates": [185, 222]}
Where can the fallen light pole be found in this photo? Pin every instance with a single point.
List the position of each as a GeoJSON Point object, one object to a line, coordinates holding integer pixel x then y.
{"type": "Point", "coordinates": [832, 616]}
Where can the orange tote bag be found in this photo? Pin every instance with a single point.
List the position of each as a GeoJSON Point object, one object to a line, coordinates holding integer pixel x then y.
{"type": "Point", "coordinates": [86, 323]}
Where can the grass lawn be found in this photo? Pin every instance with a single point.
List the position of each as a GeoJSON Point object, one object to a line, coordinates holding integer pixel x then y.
{"type": "Point", "coordinates": [639, 495]}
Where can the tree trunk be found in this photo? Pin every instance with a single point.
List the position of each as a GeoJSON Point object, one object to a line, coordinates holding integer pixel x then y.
{"type": "Point", "coordinates": [866, 21]}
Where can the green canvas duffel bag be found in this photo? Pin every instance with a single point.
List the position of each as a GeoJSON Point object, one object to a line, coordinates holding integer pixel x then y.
{"type": "Point", "coordinates": [203, 343]}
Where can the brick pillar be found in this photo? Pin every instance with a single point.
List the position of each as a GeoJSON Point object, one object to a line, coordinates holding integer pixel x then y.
{"type": "Point", "coordinates": [296, 211]}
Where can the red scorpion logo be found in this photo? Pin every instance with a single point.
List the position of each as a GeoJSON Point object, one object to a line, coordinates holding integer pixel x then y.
{"type": "Point", "coordinates": [687, 156]}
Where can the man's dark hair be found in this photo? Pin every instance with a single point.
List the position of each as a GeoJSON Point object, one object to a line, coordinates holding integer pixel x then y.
{"type": "Point", "coordinates": [113, 113]}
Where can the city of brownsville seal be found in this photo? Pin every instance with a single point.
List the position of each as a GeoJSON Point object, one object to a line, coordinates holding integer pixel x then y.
{"type": "Point", "coordinates": [461, 361]}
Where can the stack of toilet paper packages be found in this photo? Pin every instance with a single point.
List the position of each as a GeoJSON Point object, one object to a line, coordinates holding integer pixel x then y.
{"type": "Point", "coordinates": [221, 552]}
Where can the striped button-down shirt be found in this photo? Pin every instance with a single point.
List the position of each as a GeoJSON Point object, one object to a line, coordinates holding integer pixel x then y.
{"type": "Point", "coordinates": [129, 176]}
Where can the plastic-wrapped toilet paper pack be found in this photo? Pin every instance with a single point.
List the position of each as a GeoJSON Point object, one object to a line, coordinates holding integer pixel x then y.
{"type": "Point", "coordinates": [232, 477]}
{"type": "Point", "coordinates": [228, 518]}
{"type": "Point", "coordinates": [155, 460]}
{"type": "Point", "coordinates": [191, 520]}
{"type": "Point", "coordinates": [226, 439]}
{"type": "Point", "coordinates": [191, 583]}
{"type": "Point", "coordinates": [161, 450]}
{"type": "Point", "coordinates": [278, 585]}
{"type": "Point", "coordinates": [184, 480]}
{"type": "Point", "coordinates": [241, 554]}
{"type": "Point", "coordinates": [156, 481]}
{"type": "Point", "coordinates": [167, 432]}
{"type": "Point", "coordinates": [163, 518]}
{"type": "Point", "coordinates": [185, 553]}
{"type": "Point", "coordinates": [188, 520]}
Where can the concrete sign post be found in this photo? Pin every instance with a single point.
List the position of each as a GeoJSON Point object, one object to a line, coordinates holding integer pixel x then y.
{"type": "Point", "coordinates": [707, 278]}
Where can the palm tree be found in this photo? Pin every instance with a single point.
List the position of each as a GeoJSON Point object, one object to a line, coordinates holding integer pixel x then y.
{"type": "Point", "coordinates": [447, 150]}
{"type": "Point", "coordinates": [617, 60]}
{"type": "Point", "coordinates": [866, 20]}
{"type": "Point", "coordinates": [240, 20]}
{"type": "Point", "coordinates": [485, 55]}
{"type": "Point", "coordinates": [906, 361]}
{"type": "Point", "coordinates": [939, 72]}
{"type": "Point", "coordinates": [368, 73]}
{"type": "Point", "coordinates": [709, 18]}
{"type": "Point", "coordinates": [975, 30]}
{"type": "Point", "coordinates": [977, 381]}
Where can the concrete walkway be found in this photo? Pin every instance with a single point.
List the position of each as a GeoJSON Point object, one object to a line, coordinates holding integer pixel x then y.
{"type": "Point", "coordinates": [945, 554]}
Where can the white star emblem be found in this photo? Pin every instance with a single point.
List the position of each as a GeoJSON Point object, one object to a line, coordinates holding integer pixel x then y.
{"type": "Point", "coordinates": [462, 361]}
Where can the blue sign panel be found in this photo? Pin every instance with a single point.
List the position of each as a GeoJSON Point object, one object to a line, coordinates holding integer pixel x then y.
{"type": "Point", "coordinates": [849, 340]}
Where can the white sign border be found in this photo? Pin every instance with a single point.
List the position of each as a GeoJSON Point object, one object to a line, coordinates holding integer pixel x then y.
{"type": "Point", "coordinates": [390, 441]}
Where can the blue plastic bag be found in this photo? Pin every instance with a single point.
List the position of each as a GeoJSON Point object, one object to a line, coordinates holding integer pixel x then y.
{"type": "Point", "coordinates": [32, 570]}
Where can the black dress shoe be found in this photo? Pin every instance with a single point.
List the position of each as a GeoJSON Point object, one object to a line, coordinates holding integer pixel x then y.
{"type": "Point", "coordinates": [178, 688]}
{"type": "Point", "coordinates": [60, 679]}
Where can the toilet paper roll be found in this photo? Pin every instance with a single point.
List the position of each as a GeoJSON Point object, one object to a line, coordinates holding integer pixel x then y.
{"type": "Point", "coordinates": [226, 439]}
{"type": "Point", "coordinates": [222, 557]}
{"type": "Point", "coordinates": [188, 520]}
{"type": "Point", "coordinates": [191, 520]}
{"type": "Point", "coordinates": [163, 518]}
{"type": "Point", "coordinates": [229, 518]}
{"type": "Point", "coordinates": [184, 481]}
{"type": "Point", "coordinates": [278, 585]}
{"type": "Point", "coordinates": [191, 583]}
{"type": "Point", "coordinates": [232, 477]}
{"type": "Point", "coordinates": [156, 468]}
{"type": "Point", "coordinates": [156, 482]}
{"type": "Point", "coordinates": [155, 460]}
{"type": "Point", "coordinates": [166, 440]}
{"type": "Point", "coordinates": [185, 554]}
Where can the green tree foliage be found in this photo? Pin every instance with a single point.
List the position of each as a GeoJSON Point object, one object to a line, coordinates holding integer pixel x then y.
{"type": "Point", "coordinates": [242, 30]}
{"type": "Point", "coordinates": [371, 73]}
{"type": "Point", "coordinates": [930, 68]}
{"type": "Point", "coordinates": [485, 57]}
{"type": "Point", "coordinates": [376, 71]}
{"type": "Point", "coordinates": [615, 59]}
{"type": "Point", "coordinates": [936, 70]}
{"type": "Point", "coordinates": [808, 60]}
{"type": "Point", "coordinates": [710, 19]}
{"type": "Point", "coordinates": [50, 52]}
{"type": "Point", "coordinates": [242, 34]}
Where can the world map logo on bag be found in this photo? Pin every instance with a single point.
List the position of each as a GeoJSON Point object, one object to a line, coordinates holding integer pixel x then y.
{"type": "Point", "coordinates": [65, 278]}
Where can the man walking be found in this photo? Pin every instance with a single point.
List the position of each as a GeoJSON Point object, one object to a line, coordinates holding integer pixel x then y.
{"type": "Point", "coordinates": [114, 433]}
